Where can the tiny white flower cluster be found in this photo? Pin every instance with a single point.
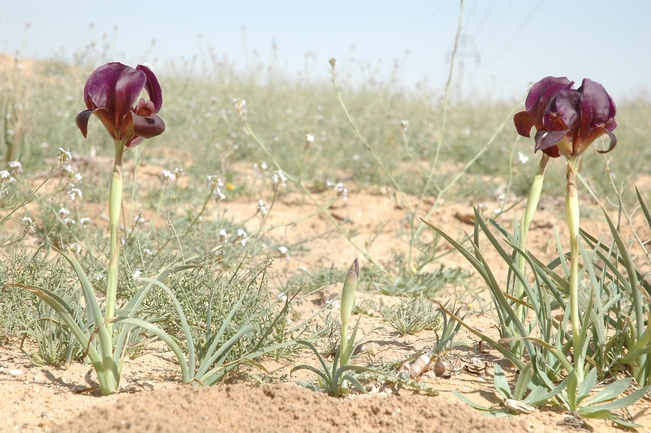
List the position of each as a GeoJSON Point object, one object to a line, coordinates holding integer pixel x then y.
{"type": "Point", "coordinates": [284, 253]}
{"type": "Point", "coordinates": [260, 169]}
{"type": "Point", "coordinates": [339, 188]}
{"type": "Point", "coordinates": [5, 179]}
{"type": "Point", "coordinates": [64, 155]}
{"type": "Point", "coordinates": [262, 207]}
{"type": "Point", "coordinates": [30, 225]}
{"type": "Point", "coordinates": [139, 219]}
{"type": "Point", "coordinates": [75, 193]}
{"type": "Point", "coordinates": [522, 158]}
{"type": "Point", "coordinates": [405, 125]}
{"type": "Point", "coordinates": [72, 175]}
{"type": "Point", "coordinates": [171, 176]}
{"type": "Point", "coordinates": [216, 184]}
{"type": "Point", "coordinates": [309, 138]}
{"type": "Point", "coordinates": [222, 236]}
{"type": "Point", "coordinates": [242, 237]}
{"type": "Point", "coordinates": [279, 178]}
{"type": "Point", "coordinates": [15, 167]}
{"type": "Point", "coordinates": [240, 106]}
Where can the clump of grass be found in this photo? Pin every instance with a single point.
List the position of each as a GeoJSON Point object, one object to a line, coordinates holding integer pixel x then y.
{"type": "Point", "coordinates": [411, 315]}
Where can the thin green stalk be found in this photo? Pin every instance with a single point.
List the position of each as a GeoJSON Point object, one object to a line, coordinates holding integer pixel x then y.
{"type": "Point", "coordinates": [368, 147]}
{"type": "Point", "coordinates": [115, 204]}
{"type": "Point", "coordinates": [309, 194]}
{"type": "Point", "coordinates": [572, 214]}
{"type": "Point", "coordinates": [439, 143]}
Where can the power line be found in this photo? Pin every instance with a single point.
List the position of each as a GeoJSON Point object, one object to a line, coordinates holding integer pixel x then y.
{"type": "Point", "coordinates": [485, 20]}
{"type": "Point", "coordinates": [517, 32]}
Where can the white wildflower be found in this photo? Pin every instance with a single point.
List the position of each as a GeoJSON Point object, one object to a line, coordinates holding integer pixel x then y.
{"type": "Point", "coordinates": [146, 251]}
{"type": "Point", "coordinates": [309, 138]}
{"type": "Point", "coordinates": [64, 155]}
{"type": "Point", "coordinates": [405, 125]}
{"type": "Point", "coordinates": [219, 195]}
{"type": "Point", "coordinates": [262, 207]}
{"type": "Point", "coordinates": [85, 220]}
{"type": "Point", "coordinates": [279, 178]}
{"type": "Point", "coordinates": [214, 182]}
{"type": "Point", "coordinates": [242, 237]}
{"type": "Point", "coordinates": [341, 190]}
{"type": "Point", "coordinates": [168, 176]}
{"type": "Point", "coordinates": [75, 193]}
{"type": "Point", "coordinates": [30, 225]}
{"type": "Point", "coordinates": [223, 237]}
{"type": "Point", "coordinates": [139, 220]}
{"type": "Point", "coordinates": [63, 211]}
{"type": "Point", "coordinates": [137, 274]}
{"type": "Point", "coordinates": [15, 167]}
{"type": "Point", "coordinates": [69, 221]}
{"type": "Point", "coordinates": [284, 253]}
{"type": "Point", "coordinates": [522, 158]}
{"type": "Point", "coordinates": [75, 247]}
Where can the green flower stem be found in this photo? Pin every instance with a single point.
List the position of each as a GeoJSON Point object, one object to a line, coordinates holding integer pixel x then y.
{"type": "Point", "coordinates": [572, 214]}
{"type": "Point", "coordinates": [530, 210]}
{"type": "Point", "coordinates": [115, 203]}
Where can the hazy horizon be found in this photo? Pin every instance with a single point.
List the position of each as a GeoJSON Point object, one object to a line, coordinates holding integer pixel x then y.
{"type": "Point", "coordinates": [504, 46]}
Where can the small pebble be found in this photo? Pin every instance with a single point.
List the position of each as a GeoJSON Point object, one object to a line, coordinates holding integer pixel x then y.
{"type": "Point", "coordinates": [15, 372]}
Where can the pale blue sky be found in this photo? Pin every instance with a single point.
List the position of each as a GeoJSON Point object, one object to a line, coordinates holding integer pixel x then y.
{"type": "Point", "coordinates": [506, 43]}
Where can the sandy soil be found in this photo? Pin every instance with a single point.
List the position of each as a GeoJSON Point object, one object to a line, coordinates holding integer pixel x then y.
{"type": "Point", "coordinates": [42, 398]}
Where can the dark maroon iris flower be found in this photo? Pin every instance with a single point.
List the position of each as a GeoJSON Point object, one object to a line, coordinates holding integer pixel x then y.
{"type": "Point", "coordinates": [112, 93]}
{"type": "Point", "coordinates": [567, 120]}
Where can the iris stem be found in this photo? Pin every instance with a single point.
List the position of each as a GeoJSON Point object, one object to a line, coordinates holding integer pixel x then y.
{"type": "Point", "coordinates": [572, 214]}
{"type": "Point", "coordinates": [115, 203]}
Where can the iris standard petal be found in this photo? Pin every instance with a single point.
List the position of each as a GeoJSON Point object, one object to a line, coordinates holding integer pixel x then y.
{"type": "Point", "coordinates": [153, 88]}
{"type": "Point", "coordinates": [115, 87]}
{"type": "Point", "coordinates": [596, 106]}
{"type": "Point", "coordinates": [542, 93]}
{"type": "Point", "coordinates": [565, 111]}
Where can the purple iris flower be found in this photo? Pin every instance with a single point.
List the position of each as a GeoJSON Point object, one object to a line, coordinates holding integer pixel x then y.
{"type": "Point", "coordinates": [567, 120]}
{"type": "Point", "coordinates": [112, 93]}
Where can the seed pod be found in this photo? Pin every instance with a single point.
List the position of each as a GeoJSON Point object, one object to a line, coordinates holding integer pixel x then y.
{"type": "Point", "coordinates": [419, 366]}
{"type": "Point", "coordinates": [440, 368]}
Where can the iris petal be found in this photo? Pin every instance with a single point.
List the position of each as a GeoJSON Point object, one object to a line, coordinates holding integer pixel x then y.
{"type": "Point", "coordinates": [111, 93]}
{"type": "Point", "coordinates": [153, 88]}
{"type": "Point", "coordinates": [148, 127]}
{"type": "Point", "coordinates": [523, 123]}
{"type": "Point", "coordinates": [596, 106]}
{"type": "Point", "coordinates": [567, 120]}
{"type": "Point", "coordinates": [82, 121]}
